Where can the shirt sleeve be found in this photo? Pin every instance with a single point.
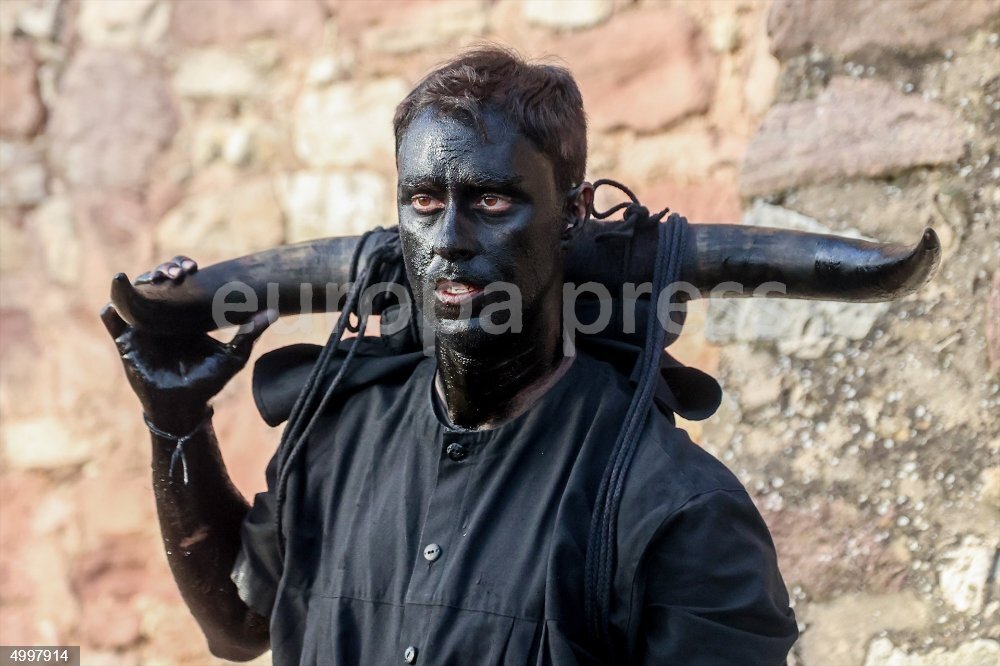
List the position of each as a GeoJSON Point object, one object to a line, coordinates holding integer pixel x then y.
{"type": "Point", "coordinates": [713, 592]}
{"type": "Point", "coordinates": [258, 567]}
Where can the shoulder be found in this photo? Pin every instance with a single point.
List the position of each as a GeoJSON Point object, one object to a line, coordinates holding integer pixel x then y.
{"type": "Point", "coordinates": [280, 375]}
{"type": "Point", "coordinates": [670, 470]}
{"type": "Point", "coordinates": [678, 496]}
{"type": "Point", "coordinates": [694, 552]}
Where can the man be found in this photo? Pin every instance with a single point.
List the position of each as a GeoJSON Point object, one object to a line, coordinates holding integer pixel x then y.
{"type": "Point", "coordinates": [438, 510]}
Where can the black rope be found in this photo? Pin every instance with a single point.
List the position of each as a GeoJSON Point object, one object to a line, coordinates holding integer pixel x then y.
{"type": "Point", "coordinates": [636, 215]}
{"type": "Point", "coordinates": [384, 265]}
{"type": "Point", "coordinates": [601, 544]}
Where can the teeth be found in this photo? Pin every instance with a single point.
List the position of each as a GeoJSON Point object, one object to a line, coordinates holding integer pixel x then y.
{"type": "Point", "coordinates": [459, 289]}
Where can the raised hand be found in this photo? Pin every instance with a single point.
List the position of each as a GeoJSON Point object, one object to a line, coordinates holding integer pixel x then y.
{"type": "Point", "coordinates": [174, 376]}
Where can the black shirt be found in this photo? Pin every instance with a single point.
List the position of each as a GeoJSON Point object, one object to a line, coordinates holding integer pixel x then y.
{"type": "Point", "coordinates": [410, 542]}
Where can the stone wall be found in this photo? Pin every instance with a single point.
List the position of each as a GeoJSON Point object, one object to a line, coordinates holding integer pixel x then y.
{"type": "Point", "coordinates": [132, 130]}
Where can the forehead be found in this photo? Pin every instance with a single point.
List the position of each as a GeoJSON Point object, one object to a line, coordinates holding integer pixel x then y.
{"type": "Point", "coordinates": [444, 148]}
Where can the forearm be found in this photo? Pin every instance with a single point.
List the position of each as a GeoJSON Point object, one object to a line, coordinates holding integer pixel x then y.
{"type": "Point", "coordinates": [200, 513]}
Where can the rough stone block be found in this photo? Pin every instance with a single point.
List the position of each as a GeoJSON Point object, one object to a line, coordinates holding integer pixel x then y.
{"type": "Point", "coordinates": [712, 200]}
{"type": "Point", "coordinates": [853, 128]}
{"type": "Point", "coordinates": [442, 22]}
{"type": "Point", "coordinates": [993, 324]}
{"type": "Point", "coordinates": [632, 76]}
{"type": "Point", "coordinates": [221, 22]}
{"type": "Point", "coordinates": [223, 224]}
{"type": "Point", "coordinates": [334, 204]}
{"type": "Point", "coordinates": [215, 73]}
{"type": "Point", "coordinates": [964, 572]}
{"type": "Point", "coordinates": [122, 24]}
{"type": "Point", "coordinates": [53, 223]}
{"type": "Point", "coordinates": [22, 113]}
{"type": "Point", "coordinates": [14, 249]}
{"type": "Point", "coordinates": [839, 630]}
{"type": "Point", "coordinates": [34, 18]}
{"type": "Point", "coordinates": [684, 154]}
{"type": "Point", "coordinates": [882, 652]}
{"type": "Point", "coordinates": [848, 26]}
{"type": "Point", "coordinates": [22, 175]}
{"type": "Point", "coordinates": [113, 117]}
{"type": "Point", "coordinates": [348, 124]}
{"type": "Point", "coordinates": [42, 443]}
{"type": "Point", "coordinates": [567, 14]}
{"type": "Point", "coordinates": [844, 550]}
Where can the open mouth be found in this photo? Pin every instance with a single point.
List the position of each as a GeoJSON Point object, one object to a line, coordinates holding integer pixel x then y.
{"type": "Point", "coordinates": [451, 292]}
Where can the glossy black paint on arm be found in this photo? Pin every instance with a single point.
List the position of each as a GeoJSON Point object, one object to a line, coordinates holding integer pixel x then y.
{"type": "Point", "coordinates": [200, 525]}
{"type": "Point", "coordinates": [199, 509]}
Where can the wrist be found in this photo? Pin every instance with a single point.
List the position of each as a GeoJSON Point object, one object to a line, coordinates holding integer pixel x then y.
{"type": "Point", "coordinates": [177, 454]}
{"type": "Point", "coordinates": [179, 422]}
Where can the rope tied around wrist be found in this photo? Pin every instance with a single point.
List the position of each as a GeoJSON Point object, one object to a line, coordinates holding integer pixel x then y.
{"type": "Point", "coordinates": [179, 442]}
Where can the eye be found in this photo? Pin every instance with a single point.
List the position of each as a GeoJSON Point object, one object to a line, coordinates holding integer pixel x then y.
{"type": "Point", "coordinates": [494, 203]}
{"type": "Point", "coordinates": [425, 203]}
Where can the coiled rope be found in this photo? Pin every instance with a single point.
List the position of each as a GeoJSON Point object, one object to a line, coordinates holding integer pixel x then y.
{"type": "Point", "coordinates": [384, 265]}
{"type": "Point", "coordinates": [602, 541]}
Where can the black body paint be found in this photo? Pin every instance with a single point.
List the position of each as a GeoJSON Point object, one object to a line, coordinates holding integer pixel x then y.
{"type": "Point", "coordinates": [477, 208]}
{"type": "Point", "coordinates": [200, 511]}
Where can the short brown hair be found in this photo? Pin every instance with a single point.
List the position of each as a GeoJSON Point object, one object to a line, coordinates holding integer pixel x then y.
{"type": "Point", "coordinates": [542, 100]}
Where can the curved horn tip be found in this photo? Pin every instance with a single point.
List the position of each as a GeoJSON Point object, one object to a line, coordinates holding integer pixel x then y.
{"type": "Point", "coordinates": [123, 295]}
{"type": "Point", "coordinates": [120, 285]}
{"type": "Point", "coordinates": [930, 240]}
{"type": "Point", "coordinates": [927, 254]}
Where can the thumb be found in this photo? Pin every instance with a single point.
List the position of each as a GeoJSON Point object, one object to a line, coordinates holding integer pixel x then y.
{"type": "Point", "coordinates": [117, 327]}
{"type": "Point", "coordinates": [242, 344]}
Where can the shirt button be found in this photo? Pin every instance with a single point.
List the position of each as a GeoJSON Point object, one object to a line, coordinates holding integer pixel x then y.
{"type": "Point", "coordinates": [410, 655]}
{"type": "Point", "coordinates": [456, 452]}
{"type": "Point", "coordinates": [432, 551]}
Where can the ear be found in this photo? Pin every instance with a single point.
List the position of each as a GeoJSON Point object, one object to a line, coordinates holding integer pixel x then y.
{"type": "Point", "coordinates": [579, 203]}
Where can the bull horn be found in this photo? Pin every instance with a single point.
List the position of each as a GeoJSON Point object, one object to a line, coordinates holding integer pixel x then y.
{"type": "Point", "coordinates": [732, 260]}
{"type": "Point", "coordinates": [270, 278]}
{"type": "Point", "coordinates": [808, 265]}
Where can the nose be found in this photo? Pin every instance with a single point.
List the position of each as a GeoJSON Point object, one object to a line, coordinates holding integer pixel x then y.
{"type": "Point", "coordinates": [456, 239]}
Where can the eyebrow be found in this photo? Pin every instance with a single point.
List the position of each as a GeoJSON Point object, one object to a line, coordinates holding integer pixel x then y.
{"type": "Point", "coordinates": [475, 179]}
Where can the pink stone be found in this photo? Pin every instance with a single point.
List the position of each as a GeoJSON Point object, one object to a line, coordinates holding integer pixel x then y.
{"type": "Point", "coordinates": [110, 623]}
{"type": "Point", "coordinates": [221, 22]}
{"type": "Point", "coordinates": [853, 128]}
{"type": "Point", "coordinates": [993, 325]}
{"type": "Point", "coordinates": [113, 118]}
{"type": "Point", "coordinates": [644, 69]}
{"type": "Point", "coordinates": [848, 26]}
{"type": "Point", "coordinates": [843, 550]}
{"type": "Point", "coordinates": [22, 113]}
{"type": "Point", "coordinates": [702, 201]}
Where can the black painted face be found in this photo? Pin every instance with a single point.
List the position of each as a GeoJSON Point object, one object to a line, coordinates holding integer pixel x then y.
{"type": "Point", "coordinates": [474, 211]}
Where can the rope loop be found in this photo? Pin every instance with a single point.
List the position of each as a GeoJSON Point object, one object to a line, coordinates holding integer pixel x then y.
{"type": "Point", "coordinates": [636, 216]}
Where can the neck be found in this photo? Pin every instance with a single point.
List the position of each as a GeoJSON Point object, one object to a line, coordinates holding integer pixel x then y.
{"type": "Point", "coordinates": [491, 379]}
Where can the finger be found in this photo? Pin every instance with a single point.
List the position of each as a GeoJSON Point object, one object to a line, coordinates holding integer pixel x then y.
{"type": "Point", "coordinates": [145, 278]}
{"type": "Point", "coordinates": [157, 275]}
{"type": "Point", "coordinates": [169, 269]}
{"type": "Point", "coordinates": [242, 344]}
{"type": "Point", "coordinates": [187, 264]}
{"type": "Point", "coordinates": [116, 326]}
